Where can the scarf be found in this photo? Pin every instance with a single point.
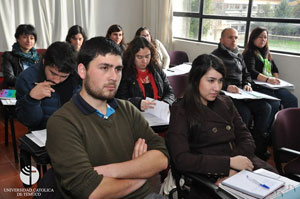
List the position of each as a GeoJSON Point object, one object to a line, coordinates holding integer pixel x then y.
{"type": "Point", "coordinates": [141, 76]}
{"type": "Point", "coordinates": [267, 66]}
{"type": "Point", "coordinates": [29, 58]}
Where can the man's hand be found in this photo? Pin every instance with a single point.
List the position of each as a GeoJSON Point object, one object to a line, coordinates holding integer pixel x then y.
{"type": "Point", "coordinates": [140, 148]}
{"type": "Point", "coordinates": [233, 89]}
{"type": "Point", "coordinates": [241, 162]}
{"type": "Point", "coordinates": [247, 88]}
{"type": "Point", "coordinates": [42, 90]}
{"type": "Point", "coordinates": [145, 104]}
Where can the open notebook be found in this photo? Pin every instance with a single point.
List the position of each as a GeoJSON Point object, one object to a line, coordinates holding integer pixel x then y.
{"type": "Point", "coordinates": [251, 185]}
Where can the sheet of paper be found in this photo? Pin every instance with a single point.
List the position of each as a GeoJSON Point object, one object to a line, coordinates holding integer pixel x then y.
{"type": "Point", "coordinates": [9, 102]}
{"type": "Point", "coordinates": [178, 70]}
{"type": "Point", "coordinates": [159, 115]}
{"type": "Point", "coordinates": [248, 95]}
{"type": "Point", "coordinates": [38, 137]}
{"type": "Point", "coordinates": [283, 84]}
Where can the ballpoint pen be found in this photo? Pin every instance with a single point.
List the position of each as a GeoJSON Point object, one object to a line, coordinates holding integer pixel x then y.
{"type": "Point", "coordinates": [170, 70]}
{"type": "Point", "coordinates": [257, 182]}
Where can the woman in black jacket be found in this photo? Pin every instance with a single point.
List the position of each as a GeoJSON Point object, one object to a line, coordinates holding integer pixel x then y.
{"type": "Point", "coordinates": [142, 76]}
{"type": "Point", "coordinates": [22, 56]}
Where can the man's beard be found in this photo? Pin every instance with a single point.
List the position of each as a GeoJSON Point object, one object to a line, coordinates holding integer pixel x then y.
{"type": "Point", "coordinates": [97, 94]}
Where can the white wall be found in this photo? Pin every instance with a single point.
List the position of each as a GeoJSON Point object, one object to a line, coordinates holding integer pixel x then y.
{"type": "Point", "coordinates": [289, 65]}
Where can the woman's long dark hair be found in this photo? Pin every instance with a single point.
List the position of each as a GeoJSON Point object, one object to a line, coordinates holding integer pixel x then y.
{"type": "Point", "coordinates": [73, 31]}
{"type": "Point", "coordinates": [192, 102]}
{"type": "Point", "coordinates": [135, 46]}
{"type": "Point", "coordinates": [117, 28]}
{"type": "Point", "coordinates": [250, 47]}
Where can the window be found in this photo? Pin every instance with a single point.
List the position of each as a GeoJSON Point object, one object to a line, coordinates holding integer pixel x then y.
{"type": "Point", "coordinates": [203, 20]}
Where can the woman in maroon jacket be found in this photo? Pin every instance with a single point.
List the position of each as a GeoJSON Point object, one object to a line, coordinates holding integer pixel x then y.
{"type": "Point", "coordinates": [206, 134]}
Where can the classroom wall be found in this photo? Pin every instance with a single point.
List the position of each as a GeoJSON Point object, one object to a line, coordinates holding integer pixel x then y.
{"type": "Point", "coordinates": [289, 65]}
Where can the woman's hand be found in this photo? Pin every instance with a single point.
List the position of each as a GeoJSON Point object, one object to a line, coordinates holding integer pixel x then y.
{"type": "Point", "coordinates": [273, 80]}
{"type": "Point", "coordinates": [233, 89]}
{"type": "Point", "coordinates": [231, 173]}
{"type": "Point", "coordinates": [241, 162]}
{"type": "Point", "coordinates": [145, 104]}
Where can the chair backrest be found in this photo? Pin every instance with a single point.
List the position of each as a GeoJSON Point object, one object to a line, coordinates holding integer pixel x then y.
{"type": "Point", "coordinates": [179, 84]}
{"type": "Point", "coordinates": [178, 57]}
{"type": "Point", "coordinates": [41, 51]}
{"type": "Point", "coordinates": [285, 132]}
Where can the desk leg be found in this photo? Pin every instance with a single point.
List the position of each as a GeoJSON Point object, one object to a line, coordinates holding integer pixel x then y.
{"type": "Point", "coordinates": [6, 125]}
{"type": "Point", "coordinates": [13, 136]}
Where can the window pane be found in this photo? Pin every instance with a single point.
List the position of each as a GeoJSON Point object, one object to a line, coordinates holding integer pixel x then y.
{"type": "Point", "coordinates": [276, 8]}
{"type": "Point", "coordinates": [186, 27]}
{"type": "Point", "coordinates": [226, 8]}
{"type": "Point", "coordinates": [212, 28]}
{"type": "Point", "coordinates": [282, 36]}
{"type": "Point", "coordinates": [186, 6]}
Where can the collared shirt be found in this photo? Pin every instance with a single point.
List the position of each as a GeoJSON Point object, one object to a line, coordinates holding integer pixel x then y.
{"type": "Point", "coordinates": [86, 108]}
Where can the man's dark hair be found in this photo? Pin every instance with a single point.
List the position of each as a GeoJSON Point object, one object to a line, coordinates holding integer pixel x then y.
{"type": "Point", "coordinates": [97, 46]}
{"type": "Point", "coordinates": [26, 29]}
{"type": "Point", "coordinates": [60, 55]}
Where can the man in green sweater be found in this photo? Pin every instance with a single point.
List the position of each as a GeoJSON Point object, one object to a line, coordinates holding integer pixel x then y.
{"type": "Point", "coordinates": [102, 147]}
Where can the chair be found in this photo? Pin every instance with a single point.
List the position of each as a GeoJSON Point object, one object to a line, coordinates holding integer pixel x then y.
{"type": "Point", "coordinates": [179, 84]}
{"type": "Point", "coordinates": [184, 181]}
{"type": "Point", "coordinates": [285, 139]}
{"type": "Point", "coordinates": [177, 57]}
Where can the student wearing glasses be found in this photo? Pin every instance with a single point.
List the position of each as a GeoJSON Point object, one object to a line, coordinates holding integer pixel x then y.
{"type": "Point", "coordinates": [162, 53]}
{"type": "Point", "coordinates": [142, 76]}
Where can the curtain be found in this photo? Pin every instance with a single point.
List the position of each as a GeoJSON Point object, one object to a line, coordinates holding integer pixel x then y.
{"type": "Point", "coordinates": [53, 18]}
{"type": "Point", "coordinates": [158, 17]}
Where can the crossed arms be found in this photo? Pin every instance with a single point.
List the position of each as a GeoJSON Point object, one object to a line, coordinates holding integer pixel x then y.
{"type": "Point", "coordinates": [120, 179]}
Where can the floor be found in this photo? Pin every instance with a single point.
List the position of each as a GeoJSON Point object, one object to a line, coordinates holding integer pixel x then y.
{"type": "Point", "coordinates": [10, 183]}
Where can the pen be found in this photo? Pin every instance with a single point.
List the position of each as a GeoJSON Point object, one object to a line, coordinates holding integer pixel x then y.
{"type": "Point", "coordinates": [258, 183]}
{"type": "Point", "coordinates": [170, 70]}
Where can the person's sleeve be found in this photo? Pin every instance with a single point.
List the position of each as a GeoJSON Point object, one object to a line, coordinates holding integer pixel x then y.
{"type": "Point", "coordinates": [274, 67]}
{"type": "Point", "coordinates": [246, 76]}
{"type": "Point", "coordinates": [243, 139]}
{"type": "Point", "coordinates": [69, 159]}
{"type": "Point", "coordinates": [29, 111]}
{"type": "Point", "coordinates": [165, 55]}
{"type": "Point", "coordinates": [141, 129]}
{"type": "Point", "coordinates": [8, 72]}
{"type": "Point", "coordinates": [124, 93]}
{"type": "Point", "coordinates": [250, 64]}
{"type": "Point", "coordinates": [183, 158]}
{"type": "Point", "coordinates": [168, 93]}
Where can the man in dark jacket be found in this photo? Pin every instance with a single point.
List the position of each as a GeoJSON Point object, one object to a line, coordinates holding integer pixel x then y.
{"type": "Point", "coordinates": [237, 76]}
{"type": "Point", "coordinates": [46, 86]}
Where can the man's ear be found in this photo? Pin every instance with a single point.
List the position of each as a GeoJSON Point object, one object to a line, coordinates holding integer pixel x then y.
{"type": "Point", "coordinates": [81, 71]}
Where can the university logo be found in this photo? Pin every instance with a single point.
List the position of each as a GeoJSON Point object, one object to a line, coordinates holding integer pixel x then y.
{"type": "Point", "coordinates": [29, 175]}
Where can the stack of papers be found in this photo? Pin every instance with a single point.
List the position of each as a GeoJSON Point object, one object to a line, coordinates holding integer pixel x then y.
{"type": "Point", "coordinates": [38, 137]}
{"type": "Point", "coordinates": [159, 115]}
{"type": "Point", "coordinates": [8, 102]}
{"type": "Point", "coordinates": [283, 84]}
{"type": "Point", "coordinates": [248, 95]}
{"type": "Point", "coordinates": [250, 185]}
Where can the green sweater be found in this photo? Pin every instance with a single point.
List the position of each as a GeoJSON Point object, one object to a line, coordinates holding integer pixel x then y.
{"type": "Point", "coordinates": [78, 139]}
